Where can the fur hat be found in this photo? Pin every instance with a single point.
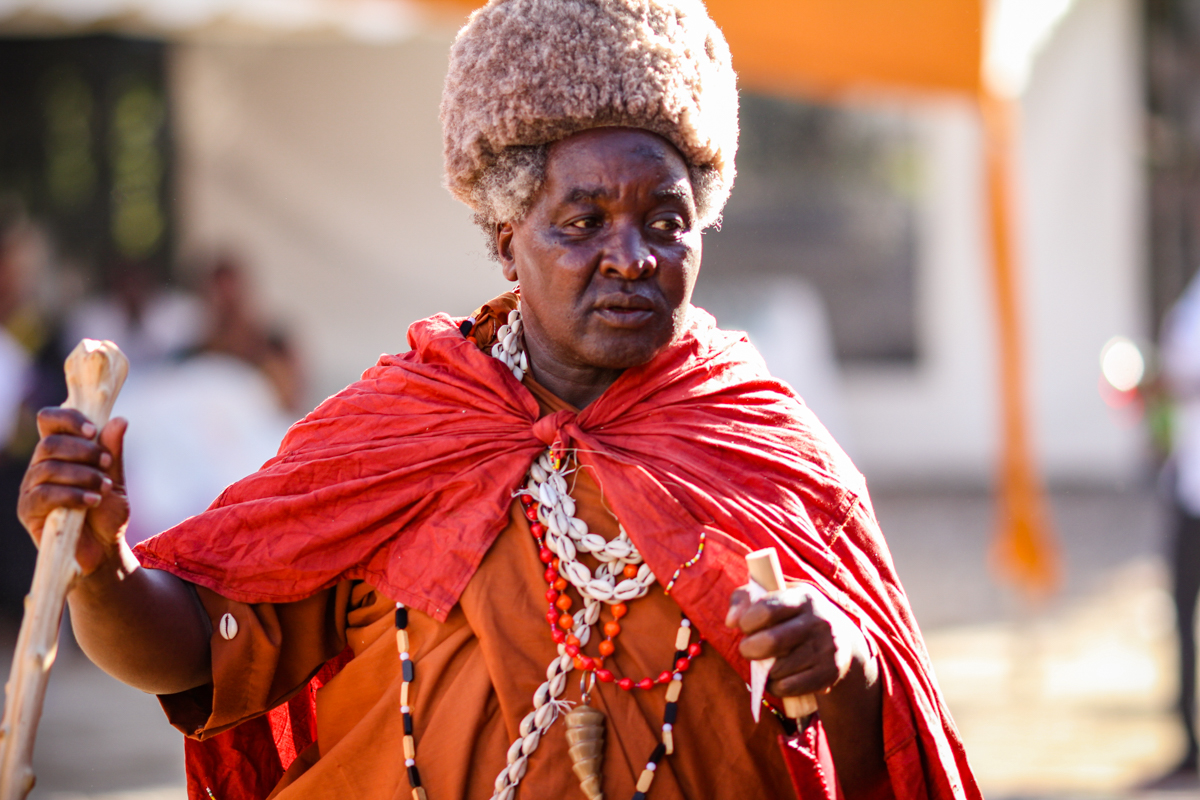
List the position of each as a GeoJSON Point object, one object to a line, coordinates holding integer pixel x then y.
{"type": "Point", "coordinates": [525, 73]}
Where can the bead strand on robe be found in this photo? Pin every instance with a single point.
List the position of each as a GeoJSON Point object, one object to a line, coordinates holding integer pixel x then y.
{"type": "Point", "coordinates": [408, 673]}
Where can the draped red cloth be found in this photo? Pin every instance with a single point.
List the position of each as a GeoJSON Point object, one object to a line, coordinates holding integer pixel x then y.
{"type": "Point", "coordinates": [405, 478]}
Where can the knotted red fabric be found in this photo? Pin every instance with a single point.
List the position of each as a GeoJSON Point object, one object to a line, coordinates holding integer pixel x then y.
{"type": "Point", "coordinates": [405, 478]}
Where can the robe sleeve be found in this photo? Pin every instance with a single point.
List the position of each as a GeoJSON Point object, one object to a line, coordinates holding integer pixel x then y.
{"type": "Point", "coordinates": [271, 652]}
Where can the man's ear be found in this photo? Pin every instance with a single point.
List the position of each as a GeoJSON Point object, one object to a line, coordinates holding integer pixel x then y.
{"type": "Point", "coordinates": [504, 249]}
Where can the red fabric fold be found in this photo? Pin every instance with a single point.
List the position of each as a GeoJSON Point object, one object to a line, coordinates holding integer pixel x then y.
{"type": "Point", "coordinates": [405, 478]}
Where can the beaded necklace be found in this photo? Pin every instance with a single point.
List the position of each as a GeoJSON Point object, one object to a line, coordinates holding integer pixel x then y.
{"type": "Point", "coordinates": [622, 576]}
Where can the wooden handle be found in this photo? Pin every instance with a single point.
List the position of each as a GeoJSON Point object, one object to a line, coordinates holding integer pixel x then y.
{"type": "Point", "coordinates": [95, 372]}
{"type": "Point", "coordinates": [766, 572]}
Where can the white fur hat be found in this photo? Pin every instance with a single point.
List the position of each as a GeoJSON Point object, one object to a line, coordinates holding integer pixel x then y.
{"type": "Point", "coordinates": [531, 72]}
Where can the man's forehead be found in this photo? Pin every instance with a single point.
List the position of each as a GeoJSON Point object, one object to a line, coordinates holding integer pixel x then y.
{"type": "Point", "coordinates": [583, 192]}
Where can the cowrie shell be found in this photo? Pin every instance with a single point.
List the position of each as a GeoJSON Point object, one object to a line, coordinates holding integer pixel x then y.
{"type": "Point", "coordinates": [592, 543]}
{"type": "Point", "coordinates": [598, 589]}
{"type": "Point", "coordinates": [567, 504]}
{"type": "Point", "coordinates": [229, 627]}
{"type": "Point", "coordinates": [575, 572]}
{"type": "Point", "coordinates": [545, 715]}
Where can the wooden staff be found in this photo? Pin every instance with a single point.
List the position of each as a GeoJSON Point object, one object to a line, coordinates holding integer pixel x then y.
{"type": "Point", "coordinates": [767, 573]}
{"type": "Point", "coordinates": [95, 371]}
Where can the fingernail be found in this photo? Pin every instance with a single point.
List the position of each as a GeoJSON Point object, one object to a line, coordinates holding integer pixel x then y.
{"type": "Point", "coordinates": [107, 482]}
{"type": "Point", "coordinates": [89, 430]}
{"type": "Point", "coordinates": [91, 498]}
{"type": "Point", "coordinates": [105, 460]}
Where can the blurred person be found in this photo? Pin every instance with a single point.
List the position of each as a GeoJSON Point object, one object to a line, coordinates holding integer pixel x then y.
{"type": "Point", "coordinates": [235, 328]}
{"type": "Point", "coordinates": [1179, 358]}
{"type": "Point", "coordinates": [149, 322]}
{"type": "Point", "coordinates": [31, 376]}
{"type": "Point", "coordinates": [239, 388]}
{"type": "Point", "coordinates": [507, 494]}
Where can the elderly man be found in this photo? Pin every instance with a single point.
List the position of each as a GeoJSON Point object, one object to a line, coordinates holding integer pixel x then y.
{"type": "Point", "coordinates": [541, 510]}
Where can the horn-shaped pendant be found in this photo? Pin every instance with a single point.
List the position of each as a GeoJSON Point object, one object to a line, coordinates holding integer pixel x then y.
{"type": "Point", "coordinates": [585, 736]}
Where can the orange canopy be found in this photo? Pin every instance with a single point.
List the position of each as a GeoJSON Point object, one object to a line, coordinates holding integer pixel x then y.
{"type": "Point", "coordinates": [825, 46]}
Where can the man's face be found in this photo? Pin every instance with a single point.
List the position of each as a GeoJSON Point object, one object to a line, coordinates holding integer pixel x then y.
{"type": "Point", "coordinates": [609, 252]}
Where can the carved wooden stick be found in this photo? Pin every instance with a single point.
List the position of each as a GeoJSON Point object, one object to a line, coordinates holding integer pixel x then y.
{"type": "Point", "coordinates": [766, 572]}
{"type": "Point", "coordinates": [95, 372]}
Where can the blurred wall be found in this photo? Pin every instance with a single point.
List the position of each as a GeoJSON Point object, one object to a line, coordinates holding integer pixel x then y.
{"type": "Point", "coordinates": [1080, 223]}
{"type": "Point", "coordinates": [1084, 214]}
{"type": "Point", "coordinates": [321, 163]}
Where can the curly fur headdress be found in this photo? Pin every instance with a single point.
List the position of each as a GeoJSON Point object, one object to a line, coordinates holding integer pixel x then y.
{"type": "Point", "coordinates": [525, 73]}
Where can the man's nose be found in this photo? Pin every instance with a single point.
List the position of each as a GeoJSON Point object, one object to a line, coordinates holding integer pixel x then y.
{"type": "Point", "coordinates": [627, 255]}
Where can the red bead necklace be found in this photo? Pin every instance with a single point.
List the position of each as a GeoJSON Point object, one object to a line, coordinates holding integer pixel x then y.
{"type": "Point", "coordinates": [561, 622]}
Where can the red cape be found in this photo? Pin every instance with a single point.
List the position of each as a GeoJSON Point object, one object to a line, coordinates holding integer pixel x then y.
{"type": "Point", "coordinates": [405, 478]}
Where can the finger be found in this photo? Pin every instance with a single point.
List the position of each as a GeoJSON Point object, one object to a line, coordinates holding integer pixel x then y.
{"type": "Point", "coordinates": [810, 681]}
{"type": "Point", "coordinates": [47, 497]}
{"type": "Point", "coordinates": [112, 439]}
{"type": "Point", "coordinates": [779, 640]}
{"type": "Point", "coordinates": [739, 601]}
{"type": "Point", "coordinates": [68, 447]}
{"type": "Point", "coordinates": [66, 473]}
{"type": "Point", "coordinates": [56, 419]}
{"type": "Point", "coordinates": [774, 609]}
{"type": "Point", "coordinates": [809, 655]}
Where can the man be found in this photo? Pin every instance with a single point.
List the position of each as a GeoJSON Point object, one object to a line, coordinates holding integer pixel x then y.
{"type": "Point", "coordinates": [562, 485]}
{"type": "Point", "coordinates": [1180, 364]}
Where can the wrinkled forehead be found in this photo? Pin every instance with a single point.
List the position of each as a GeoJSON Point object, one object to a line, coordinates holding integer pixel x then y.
{"type": "Point", "coordinates": [603, 160]}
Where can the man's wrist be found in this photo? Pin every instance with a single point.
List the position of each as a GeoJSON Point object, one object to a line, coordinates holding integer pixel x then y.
{"type": "Point", "coordinates": [119, 564]}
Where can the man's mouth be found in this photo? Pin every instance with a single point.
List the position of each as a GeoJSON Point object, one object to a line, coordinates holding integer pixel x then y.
{"type": "Point", "coordinates": [626, 310]}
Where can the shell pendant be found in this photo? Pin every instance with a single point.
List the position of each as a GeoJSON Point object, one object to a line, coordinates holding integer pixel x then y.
{"type": "Point", "coordinates": [585, 736]}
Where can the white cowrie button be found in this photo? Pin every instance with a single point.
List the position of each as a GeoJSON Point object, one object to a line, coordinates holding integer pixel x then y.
{"type": "Point", "coordinates": [229, 627]}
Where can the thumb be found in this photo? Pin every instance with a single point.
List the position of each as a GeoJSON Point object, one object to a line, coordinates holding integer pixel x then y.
{"type": "Point", "coordinates": [739, 601]}
{"type": "Point", "coordinates": [112, 439]}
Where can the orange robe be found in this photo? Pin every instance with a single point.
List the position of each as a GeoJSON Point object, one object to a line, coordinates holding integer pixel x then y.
{"type": "Point", "coordinates": [475, 678]}
{"type": "Point", "coordinates": [404, 482]}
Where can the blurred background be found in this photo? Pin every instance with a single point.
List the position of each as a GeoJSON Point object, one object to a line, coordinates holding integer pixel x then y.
{"type": "Point", "coordinates": [959, 230]}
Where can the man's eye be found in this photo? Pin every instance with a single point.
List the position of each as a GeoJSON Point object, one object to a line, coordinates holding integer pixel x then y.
{"type": "Point", "coordinates": [668, 224]}
{"type": "Point", "coordinates": [585, 223]}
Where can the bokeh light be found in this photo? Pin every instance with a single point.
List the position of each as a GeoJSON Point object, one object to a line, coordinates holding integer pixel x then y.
{"type": "Point", "coordinates": [1122, 364]}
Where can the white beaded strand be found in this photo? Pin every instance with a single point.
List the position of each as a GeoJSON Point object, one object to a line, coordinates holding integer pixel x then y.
{"type": "Point", "coordinates": [566, 536]}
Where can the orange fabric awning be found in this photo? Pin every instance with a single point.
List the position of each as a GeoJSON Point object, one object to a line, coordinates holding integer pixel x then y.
{"type": "Point", "coordinates": [825, 46]}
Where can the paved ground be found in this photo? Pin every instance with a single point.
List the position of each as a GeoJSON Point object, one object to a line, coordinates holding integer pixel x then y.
{"type": "Point", "coordinates": [1070, 700]}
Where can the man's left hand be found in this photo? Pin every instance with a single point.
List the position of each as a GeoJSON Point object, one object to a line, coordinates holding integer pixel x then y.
{"type": "Point", "coordinates": [814, 643]}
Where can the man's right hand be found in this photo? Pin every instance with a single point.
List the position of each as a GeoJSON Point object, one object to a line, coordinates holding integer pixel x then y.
{"type": "Point", "coordinates": [145, 627]}
{"type": "Point", "coordinates": [72, 468]}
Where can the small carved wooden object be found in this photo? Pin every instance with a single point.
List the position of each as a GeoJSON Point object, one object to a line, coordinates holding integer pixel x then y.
{"type": "Point", "coordinates": [95, 371]}
{"type": "Point", "coordinates": [585, 736]}
{"type": "Point", "coordinates": [766, 572]}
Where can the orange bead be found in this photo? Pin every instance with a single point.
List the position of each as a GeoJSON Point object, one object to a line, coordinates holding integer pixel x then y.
{"type": "Point", "coordinates": [630, 571]}
{"type": "Point", "coordinates": [611, 628]}
{"type": "Point", "coordinates": [560, 584]}
{"type": "Point", "coordinates": [618, 611]}
{"type": "Point", "coordinates": [571, 639]}
{"type": "Point", "coordinates": [566, 622]}
{"type": "Point", "coordinates": [563, 602]}
{"type": "Point", "coordinates": [607, 648]}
